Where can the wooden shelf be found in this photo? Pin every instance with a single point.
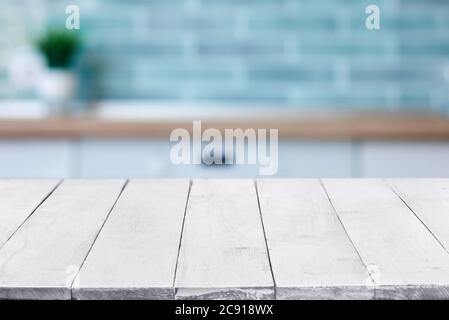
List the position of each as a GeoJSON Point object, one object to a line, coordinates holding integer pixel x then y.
{"type": "Point", "coordinates": [331, 127]}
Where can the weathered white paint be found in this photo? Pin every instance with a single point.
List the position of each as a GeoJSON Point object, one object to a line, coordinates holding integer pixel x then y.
{"type": "Point", "coordinates": [311, 255]}
{"type": "Point", "coordinates": [429, 200]}
{"type": "Point", "coordinates": [18, 200]}
{"type": "Point", "coordinates": [42, 259]}
{"type": "Point", "coordinates": [223, 253]}
{"type": "Point", "coordinates": [135, 255]}
{"type": "Point", "coordinates": [405, 260]}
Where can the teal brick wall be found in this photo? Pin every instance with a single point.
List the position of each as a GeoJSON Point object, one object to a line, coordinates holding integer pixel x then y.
{"type": "Point", "coordinates": [286, 53]}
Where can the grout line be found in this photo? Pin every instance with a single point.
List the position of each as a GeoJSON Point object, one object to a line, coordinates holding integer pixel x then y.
{"type": "Point", "coordinates": [180, 239]}
{"type": "Point", "coordinates": [416, 215]}
{"type": "Point", "coordinates": [266, 241]}
{"type": "Point", "coordinates": [349, 237]}
{"type": "Point", "coordinates": [33, 211]}
{"type": "Point", "coordinates": [96, 237]}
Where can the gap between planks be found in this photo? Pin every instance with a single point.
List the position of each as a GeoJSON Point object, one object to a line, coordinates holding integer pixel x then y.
{"type": "Point", "coordinates": [346, 231]}
{"type": "Point", "coordinates": [223, 252]}
{"type": "Point", "coordinates": [135, 254]}
{"type": "Point", "coordinates": [417, 243]}
{"type": "Point", "coordinates": [180, 238]}
{"type": "Point", "coordinates": [265, 238]}
{"type": "Point", "coordinates": [56, 236]}
{"type": "Point", "coordinates": [32, 212]}
{"type": "Point", "coordinates": [416, 215]}
{"type": "Point", "coordinates": [96, 237]}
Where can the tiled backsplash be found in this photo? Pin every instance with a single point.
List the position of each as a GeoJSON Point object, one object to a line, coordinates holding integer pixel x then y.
{"type": "Point", "coordinates": [286, 53]}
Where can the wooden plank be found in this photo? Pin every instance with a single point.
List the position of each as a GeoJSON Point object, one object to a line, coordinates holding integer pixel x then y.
{"type": "Point", "coordinates": [42, 259]}
{"type": "Point", "coordinates": [405, 260]}
{"type": "Point", "coordinates": [311, 255]}
{"type": "Point", "coordinates": [135, 255]}
{"type": "Point", "coordinates": [429, 200]}
{"type": "Point", "coordinates": [223, 253]}
{"type": "Point", "coordinates": [18, 200]}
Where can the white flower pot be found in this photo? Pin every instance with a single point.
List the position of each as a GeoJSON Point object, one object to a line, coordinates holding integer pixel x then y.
{"type": "Point", "coordinates": [57, 89]}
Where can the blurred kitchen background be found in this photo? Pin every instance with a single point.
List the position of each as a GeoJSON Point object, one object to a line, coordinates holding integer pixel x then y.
{"type": "Point", "coordinates": [154, 65]}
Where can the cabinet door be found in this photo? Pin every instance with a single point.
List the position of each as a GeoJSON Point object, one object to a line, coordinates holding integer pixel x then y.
{"type": "Point", "coordinates": [127, 158]}
{"type": "Point", "coordinates": [294, 159]}
{"type": "Point", "coordinates": [111, 158]}
{"type": "Point", "coordinates": [404, 159]}
{"type": "Point", "coordinates": [151, 158]}
{"type": "Point", "coordinates": [36, 158]}
{"type": "Point", "coordinates": [315, 159]}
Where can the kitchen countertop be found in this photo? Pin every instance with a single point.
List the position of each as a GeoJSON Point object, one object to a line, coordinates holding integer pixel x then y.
{"type": "Point", "coordinates": [122, 119]}
{"type": "Point", "coordinates": [337, 126]}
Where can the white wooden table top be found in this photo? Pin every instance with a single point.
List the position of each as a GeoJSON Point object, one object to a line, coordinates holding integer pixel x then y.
{"type": "Point", "coordinates": [224, 239]}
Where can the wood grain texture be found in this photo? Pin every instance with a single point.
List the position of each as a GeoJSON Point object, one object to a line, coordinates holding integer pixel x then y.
{"type": "Point", "coordinates": [135, 255]}
{"type": "Point", "coordinates": [291, 125]}
{"type": "Point", "coordinates": [329, 240]}
{"type": "Point", "coordinates": [311, 255]}
{"type": "Point", "coordinates": [42, 259]}
{"type": "Point", "coordinates": [404, 259]}
{"type": "Point", "coordinates": [18, 200]}
{"type": "Point", "coordinates": [223, 253]}
{"type": "Point", "coordinates": [429, 200]}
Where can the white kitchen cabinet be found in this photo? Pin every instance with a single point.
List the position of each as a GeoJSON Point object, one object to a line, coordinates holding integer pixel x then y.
{"type": "Point", "coordinates": [316, 159]}
{"type": "Point", "coordinates": [37, 158]}
{"type": "Point", "coordinates": [404, 159]}
{"type": "Point", "coordinates": [116, 158]}
{"type": "Point", "coordinates": [112, 158]}
{"type": "Point", "coordinates": [147, 158]}
{"type": "Point", "coordinates": [151, 158]}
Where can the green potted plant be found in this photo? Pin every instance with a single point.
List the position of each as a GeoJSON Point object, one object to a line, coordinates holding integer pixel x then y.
{"type": "Point", "coordinates": [58, 83]}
